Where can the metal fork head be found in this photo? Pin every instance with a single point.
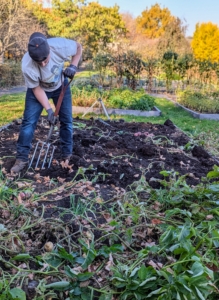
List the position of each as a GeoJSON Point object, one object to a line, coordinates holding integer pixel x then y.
{"type": "Point", "coordinates": [44, 152]}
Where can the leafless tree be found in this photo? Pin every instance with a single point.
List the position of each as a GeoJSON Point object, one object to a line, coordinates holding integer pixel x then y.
{"type": "Point", "coordinates": [16, 25]}
{"type": "Point", "coordinates": [135, 41]}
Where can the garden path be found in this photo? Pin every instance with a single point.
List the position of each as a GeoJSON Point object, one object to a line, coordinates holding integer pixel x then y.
{"type": "Point", "coordinates": [12, 90]}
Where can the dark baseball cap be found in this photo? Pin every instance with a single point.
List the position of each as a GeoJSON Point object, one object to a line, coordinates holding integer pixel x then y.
{"type": "Point", "coordinates": [38, 47]}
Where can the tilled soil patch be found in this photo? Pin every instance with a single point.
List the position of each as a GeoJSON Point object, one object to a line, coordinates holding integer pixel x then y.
{"type": "Point", "coordinates": [115, 153]}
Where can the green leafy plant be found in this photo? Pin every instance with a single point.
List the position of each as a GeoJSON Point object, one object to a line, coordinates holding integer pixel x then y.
{"type": "Point", "coordinates": [11, 294]}
{"type": "Point", "coordinates": [123, 98]}
{"type": "Point", "coordinates": [147, 283]}
{"type": "Point", "coordinates": [128, 99]}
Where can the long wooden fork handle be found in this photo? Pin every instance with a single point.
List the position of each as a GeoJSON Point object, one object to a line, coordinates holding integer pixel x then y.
{"type": "Point", "coordinates": [61, 96]}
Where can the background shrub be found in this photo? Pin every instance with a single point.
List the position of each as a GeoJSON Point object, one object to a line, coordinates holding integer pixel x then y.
{"type": "Point", "coordinates": [10, 74]}
{"type": "Point", "coordinates": [87, 95]}
{"type": "Point", "coordinates": [203, 102]}
{"type": "Point", "coordinates": [123, 98]}
{"type": "Point", "coordinates": [85, 82]}
{"type": "Point", "coordinates": [129, 99]}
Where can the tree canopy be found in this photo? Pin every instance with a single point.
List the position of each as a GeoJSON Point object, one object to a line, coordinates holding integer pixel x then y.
{"type": "Point", "coordinates": [89, 23]}
{"type": "Point", "coordinates": [152, 34]}
{"type": "Point", "coordinates": [153, 21]}
{"type": "Point", "coordinates": [100, 25]}
{"type": "Point", "coordinates": [205, 42]}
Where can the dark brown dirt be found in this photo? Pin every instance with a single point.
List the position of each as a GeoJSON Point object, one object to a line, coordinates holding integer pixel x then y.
{"type": "Point", "coordinates": [115, 153]}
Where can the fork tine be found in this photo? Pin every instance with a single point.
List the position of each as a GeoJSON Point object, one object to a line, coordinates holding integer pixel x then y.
{"type": "Point", "coordinates": [34, 153]}
{"type": "Point", "coordinates": [41, 150]}
{"type": "Point", "coordinates": [51, 157]}
{"type": "Point", "coordinates": [49, 150]}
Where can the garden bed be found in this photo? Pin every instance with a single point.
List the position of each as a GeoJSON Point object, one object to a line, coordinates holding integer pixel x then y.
{"type": "Point", "coordinates": [98, 141]}
{"type": "Point", "coordinates": [106, 206]}
{"type": "Point", "coordinates": [200, 104]}
{"type": "Point", "coordinates": [198, 115]}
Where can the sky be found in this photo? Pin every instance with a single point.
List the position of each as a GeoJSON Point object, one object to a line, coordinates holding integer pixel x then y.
{"type": "Point", "coordinates": [190, 11]}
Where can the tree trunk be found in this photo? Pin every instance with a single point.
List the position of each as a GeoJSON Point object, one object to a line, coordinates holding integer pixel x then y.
{"type": "Point", "coordinates": [1, 53]}
{"type": "Point", "coordinates": [1, 58]}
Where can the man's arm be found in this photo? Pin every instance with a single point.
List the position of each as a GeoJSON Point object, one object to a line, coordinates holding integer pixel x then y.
{"type": "Point", "coordinates": [71, 70]}
{"type": "Point", "coordinates": [41, 97]}
{"type": "Point", "coordinates": [76, 58]}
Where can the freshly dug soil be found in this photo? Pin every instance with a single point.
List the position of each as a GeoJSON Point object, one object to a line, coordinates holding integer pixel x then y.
{"type": "Point", "coordinates": [115, 153]}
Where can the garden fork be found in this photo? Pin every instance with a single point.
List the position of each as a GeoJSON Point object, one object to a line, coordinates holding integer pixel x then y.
{"type": "Point", "coordinates": [44, 149]}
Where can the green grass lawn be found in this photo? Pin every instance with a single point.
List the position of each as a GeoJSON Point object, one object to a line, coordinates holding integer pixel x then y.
{"type": "Point", "coordinates": [11, 107]}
